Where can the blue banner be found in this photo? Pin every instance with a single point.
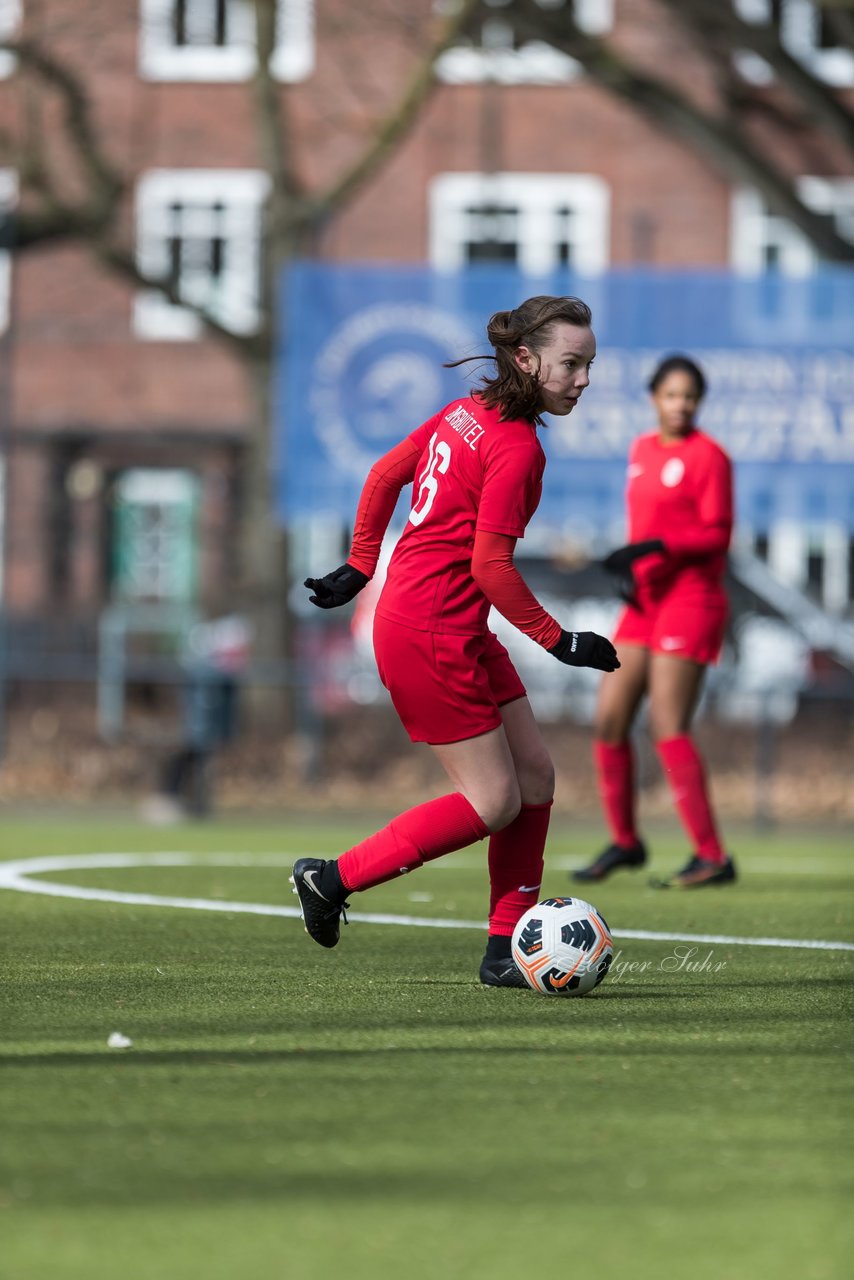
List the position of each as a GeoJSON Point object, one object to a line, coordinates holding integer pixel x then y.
{"type": "Point", "coordinates": [361, 351]}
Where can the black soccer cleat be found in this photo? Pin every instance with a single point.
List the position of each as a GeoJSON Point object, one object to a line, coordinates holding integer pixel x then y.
{"type": "Point", "coordinates": [501, 973]}
{"type": "Point", "coordinates": [612, 859]}
{"type": "Point", "coordinates": [697, 873]}
{"type": "Point", "coordinates": [321, 915]}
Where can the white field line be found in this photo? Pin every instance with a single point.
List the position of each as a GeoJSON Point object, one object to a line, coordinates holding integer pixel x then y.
{"type": "Point", "coordinates": [17, 877]}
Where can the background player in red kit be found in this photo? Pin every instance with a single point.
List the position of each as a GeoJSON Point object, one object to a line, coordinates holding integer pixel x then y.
{"type": "Point", "coordinates": [477, 468]}
{"type": "Point", "coordinates": [679, 498]}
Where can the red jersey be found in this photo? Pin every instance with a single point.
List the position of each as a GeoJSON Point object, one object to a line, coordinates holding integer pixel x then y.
{"type": "Point", "coordinates": [474, 473]}
{"type": "Point", "coordinates": [682, 494]}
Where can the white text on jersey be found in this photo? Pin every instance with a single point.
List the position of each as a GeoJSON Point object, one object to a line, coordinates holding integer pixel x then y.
{"type": "Point", "coordinates": [465, 425]}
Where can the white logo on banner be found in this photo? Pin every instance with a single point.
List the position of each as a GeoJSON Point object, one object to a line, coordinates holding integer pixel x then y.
{"type": "Point", "coordinates": [372, 384]}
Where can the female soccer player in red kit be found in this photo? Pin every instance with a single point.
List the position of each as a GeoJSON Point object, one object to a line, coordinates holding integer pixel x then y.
{"type": "Point", "coordinates": [477, 468]}
{"type": "Point", "coordinates": [679, 499]}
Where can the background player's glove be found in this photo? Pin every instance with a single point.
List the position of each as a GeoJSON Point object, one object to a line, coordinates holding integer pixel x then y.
{"type": "Point", "coordinates": [337, 588]}
{"type": "Point", "coordinates": [627, 587]}
{"type": "Point", "coordinates": [585, 649]}
{"type": "Point", "coordinates": [624, 557]}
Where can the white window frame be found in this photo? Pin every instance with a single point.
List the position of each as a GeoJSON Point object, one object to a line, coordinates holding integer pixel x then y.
{"type": "Point", "coordinates": [10, 17]}
{"type": "Point", "coordinates": [537, 197]}
{"type": "Point", "coordinates": [161, 59]}
{"type": "Point", "coordinates": [799, 34]}
{"type": "Point", "coordinates": [2, 526]}
{"type": "Point", "coordinates": [790, 544]}
{"type": "Point", "coordinates": [536, 62]}
{"type": "Point", "coordinates": [239, 193]}
{"type": "Point", "coordinates": [753, 228]}
{"type": "Point", "coordinates": [8, 200]}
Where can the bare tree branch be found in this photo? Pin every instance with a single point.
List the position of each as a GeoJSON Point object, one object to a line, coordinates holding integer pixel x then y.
{"type": "Point", "coordinates": [400, 118]}
{"type": "Point", "coordinates": [124, 264]}
{"type": "Point", "coordinates": [106, 182]}
{"type": "Point", "coordinates": [717, 138]}
{"type": "Point", "coordinates": [839, 16]}
{"type": "Point", "coordinates": [709, 17]}
{"type": "Point", "coordinates": [271, 121]}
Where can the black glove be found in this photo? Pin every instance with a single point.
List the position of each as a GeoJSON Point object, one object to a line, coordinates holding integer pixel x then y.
{"type": "Point", "coordinates": [624, 557]}
{"type": "Point", "coordinates": [585, 649]}
{"type": "Point", "coordinates": [337, 588]}
{"type": "Point", "coordinates": [627, 587]}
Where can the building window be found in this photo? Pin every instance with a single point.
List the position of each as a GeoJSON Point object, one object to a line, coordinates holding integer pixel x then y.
{"type": "Point", "coordinates": [215, 39]}
{"type": "Point", "coordinates": [8, 202]}
{"type": "Point", "coordinates": [812, 555]}
{"type": "Point", "coordinates": [806, 32]}
{"type": "Point", "coordinates": [499, 55]}
{"type": "Point", "coordinates": [762, 242]}
{"type": "Point", "coordinates": [202, 229]}
{"type": "Point", "coordinates": [538, 222]}
{"type": "Point", "coordinates": [10, 16]}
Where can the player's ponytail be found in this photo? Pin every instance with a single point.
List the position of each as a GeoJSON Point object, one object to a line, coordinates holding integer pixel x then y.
{"type": "Point", "coordinates": [509, 388]}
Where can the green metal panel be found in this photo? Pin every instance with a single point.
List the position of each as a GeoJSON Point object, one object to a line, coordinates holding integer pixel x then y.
{"type": "Point", "coordinates": [155, 536]}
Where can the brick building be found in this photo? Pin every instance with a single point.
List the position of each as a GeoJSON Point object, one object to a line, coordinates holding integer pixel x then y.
{"type": "Point", "coordinates": [124, 422]}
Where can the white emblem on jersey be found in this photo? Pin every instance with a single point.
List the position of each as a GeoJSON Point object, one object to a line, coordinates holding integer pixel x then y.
{"type": "Point", "coordinates": [672, 472]}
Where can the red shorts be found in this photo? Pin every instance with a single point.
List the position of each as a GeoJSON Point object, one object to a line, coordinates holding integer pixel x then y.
{"type": "Point", "coordinates": [676, 627]}
{"type": "Point", "coordinates": [445, 688]}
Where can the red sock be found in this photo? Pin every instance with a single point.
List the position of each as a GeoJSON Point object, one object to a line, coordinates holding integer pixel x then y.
{"type": "Point", "coordinates": [685, 773]}
{"type": "Point", "coordinates": [417, 836]}
{"type": "Point", "coordinates": [615, 775]}
{"type": "Point", "coordinates": [516, 866]}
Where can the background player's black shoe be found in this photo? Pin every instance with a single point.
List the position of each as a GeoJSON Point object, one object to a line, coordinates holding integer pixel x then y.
{"type": "Point", "coordinates": [501, 973]}
{"type": "Point", "coordinates": [612, 859]}
{"type": "Point", "coordinates": [321, 914]}
{"type": "Point", "coordinates": [697, 873]}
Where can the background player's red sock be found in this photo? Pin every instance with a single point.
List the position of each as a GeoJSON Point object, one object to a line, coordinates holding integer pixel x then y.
{"type": "Point", "coordinates": [687, 777]}
{"type": "Point", "coordinates": [428, 831]}
{"type": "Point", "coordinates": [516, 867]}
{"type": "Point", "coordinates": [615, 777]}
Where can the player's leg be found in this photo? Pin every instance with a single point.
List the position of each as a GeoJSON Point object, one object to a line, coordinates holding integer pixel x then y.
{"type": "Point", "coordinates": [442, 695]}
{"type": "Point", "coordinates": [516, 852]}
{"type": "Point", "coordinates": [452, 707]}
{"type": "Point", "coordinates": [485, 798]}
{"type": "Point", "coordinates": [675, 684]}
{"type": "Point", "coordinates": [619, 696]}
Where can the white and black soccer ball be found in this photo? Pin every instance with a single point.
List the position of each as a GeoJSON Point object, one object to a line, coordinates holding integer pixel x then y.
{"type": "Point", "coordinates": [563, 947]}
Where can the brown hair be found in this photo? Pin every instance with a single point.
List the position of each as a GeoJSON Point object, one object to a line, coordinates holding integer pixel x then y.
{"type": "Point", "coordinates": [512, 390]}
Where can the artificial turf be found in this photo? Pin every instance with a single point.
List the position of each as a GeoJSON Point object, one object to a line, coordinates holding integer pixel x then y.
{"type": "Point", "coordinates": [373, 1111]}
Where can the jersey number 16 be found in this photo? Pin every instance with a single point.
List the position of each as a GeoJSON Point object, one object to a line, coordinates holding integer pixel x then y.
{"type": "Point", "coordinates": [438, 461]}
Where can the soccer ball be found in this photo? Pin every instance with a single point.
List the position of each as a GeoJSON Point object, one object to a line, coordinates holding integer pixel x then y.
{"type": "Point", "coordinates": [563, 947]}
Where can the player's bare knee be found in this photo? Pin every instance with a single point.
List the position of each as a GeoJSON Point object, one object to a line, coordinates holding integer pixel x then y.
{"type": "Point", "coordinates": [537, 781]}
{"type": "Point", "coordinates": [502, 808]}
{"type": "Point", "coordinates": [663, 727]}
{"type": "Point", "coordinates": [610, 731]}
{"type": "Point", "coordinates": [504, 817]}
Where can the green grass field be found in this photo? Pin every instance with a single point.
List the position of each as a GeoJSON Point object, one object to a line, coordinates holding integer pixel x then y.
{"type": "Point", "coordinates": [374, 1112]}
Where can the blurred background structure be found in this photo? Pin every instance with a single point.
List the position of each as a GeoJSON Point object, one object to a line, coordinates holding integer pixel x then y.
{"type": "Point", "coordinates": [237, 240]}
